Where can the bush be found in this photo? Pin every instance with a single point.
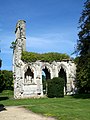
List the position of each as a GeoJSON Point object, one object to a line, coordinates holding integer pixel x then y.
{"type": "Point", "coordinates": [8, 79]}
{"type": "Point", "coordinates": [55, 87]}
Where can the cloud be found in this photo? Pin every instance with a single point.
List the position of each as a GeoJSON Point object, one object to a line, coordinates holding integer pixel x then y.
{"type": "Point", "coordinates": [56, 42]}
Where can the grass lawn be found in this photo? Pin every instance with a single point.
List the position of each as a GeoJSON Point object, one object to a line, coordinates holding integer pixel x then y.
{"type": "Point", "coordinates": [67, 108]}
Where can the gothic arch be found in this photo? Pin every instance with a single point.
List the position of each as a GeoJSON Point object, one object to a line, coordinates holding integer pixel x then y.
{"type": "Point", "coordinates": [63, 73]}
{"type": "Point", "coordinates": [63, 66]}
{"type": "Point", "coordinates": [31, 67]}
{"type": "Point", "coordinates": [47, 69]}
{"type": "Point", "coordinates": [29, 74]}
{"type": "Point", "coordinates": [46, 65]}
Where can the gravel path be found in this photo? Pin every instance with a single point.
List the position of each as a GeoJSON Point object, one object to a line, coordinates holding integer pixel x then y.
{"type": "Point", "coordinates": [19, 113]}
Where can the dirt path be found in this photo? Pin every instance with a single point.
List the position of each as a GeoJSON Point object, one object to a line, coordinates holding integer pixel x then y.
{"type": "Point", "coordinates": [19, 113]}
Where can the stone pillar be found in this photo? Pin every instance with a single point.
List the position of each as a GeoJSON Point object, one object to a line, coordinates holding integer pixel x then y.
{"type": "Point", "coordinates": [20, 44]}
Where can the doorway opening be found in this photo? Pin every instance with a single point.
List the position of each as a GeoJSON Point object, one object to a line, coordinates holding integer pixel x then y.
{"type": "Point", "coordinates": [62, 74]}
{"type": "Point", "coordinates": [45, 76]}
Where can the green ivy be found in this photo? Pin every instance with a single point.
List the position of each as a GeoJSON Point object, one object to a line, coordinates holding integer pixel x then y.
{"type": "Point", "coordinates": [46, 57]}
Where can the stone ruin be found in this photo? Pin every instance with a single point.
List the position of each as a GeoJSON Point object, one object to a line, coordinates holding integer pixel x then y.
{"type": "Point", "coordinates": [28, 76]}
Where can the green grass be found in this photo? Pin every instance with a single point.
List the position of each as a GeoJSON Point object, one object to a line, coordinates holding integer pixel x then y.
{"type": "Point", "coordinates": [67, 108]}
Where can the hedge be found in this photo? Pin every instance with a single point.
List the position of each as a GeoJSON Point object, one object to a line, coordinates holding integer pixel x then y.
{"type": "Point", "coordinates": [55, 87]}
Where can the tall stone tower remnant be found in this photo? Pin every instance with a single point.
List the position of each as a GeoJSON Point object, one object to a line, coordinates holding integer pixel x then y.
{"type": "Point", "coordinates": [17, 63]}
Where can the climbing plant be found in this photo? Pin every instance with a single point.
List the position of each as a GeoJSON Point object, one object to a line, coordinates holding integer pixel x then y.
{"type": "Point", "coordinates": [46, 57]}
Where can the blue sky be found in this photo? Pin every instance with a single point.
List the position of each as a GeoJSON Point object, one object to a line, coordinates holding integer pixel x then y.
{"type": "Point", "coordinates": [51, 26]}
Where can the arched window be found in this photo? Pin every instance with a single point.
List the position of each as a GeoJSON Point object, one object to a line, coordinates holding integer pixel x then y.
{"type": "Point", "coordinates": [29, 76]}
{"type": "Point", "coordinates": [47, 73]}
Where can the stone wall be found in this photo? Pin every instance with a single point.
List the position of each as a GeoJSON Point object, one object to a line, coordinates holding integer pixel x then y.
{"type": "Point", "coordinates": [28, 76]}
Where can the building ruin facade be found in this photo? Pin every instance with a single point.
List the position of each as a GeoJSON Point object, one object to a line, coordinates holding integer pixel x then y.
{"type": "Point", "coordinates": [28, 76]}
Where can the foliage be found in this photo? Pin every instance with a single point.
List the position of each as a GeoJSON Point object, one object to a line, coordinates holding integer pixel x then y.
{"type": "Point", "coordinates": [1, 77]}
{"type": "Point", "coordinates": [8, 78]}
{"type": "Point", "coordinates": [13, 45]}
{"type": "Point", "coordinates": [83, 49]}
{"type": "Point", "coordinates": [2, 82]}
{"type": "Point", "coordinates": [47, 57]}
{"type": "Point", "coordinates": [67, 108]}
{"type": "Point", "coordinates": [55, 87]}
{"type": "Point", "coordinates": [44, 84]}
{"type": "Point", "coordinates": [76, 60]}
{"type": "Point", "coordinates": [0, 63]}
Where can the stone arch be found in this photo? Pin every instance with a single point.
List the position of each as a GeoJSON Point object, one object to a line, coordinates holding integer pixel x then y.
{"type": "Point", "coordinates": [64, 67]}
{"type": "Point", "coordinates": [47, 69]}
{"type": "Point", "coordinates": [29, 74]}
{"type": "Point", "coordinates": [63, 73]}
{"type": "Point", "coordinates": [48, 72]}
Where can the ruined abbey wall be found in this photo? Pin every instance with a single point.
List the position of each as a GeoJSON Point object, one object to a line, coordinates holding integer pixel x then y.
{"type": "Point", "coordinates": [28, 76]}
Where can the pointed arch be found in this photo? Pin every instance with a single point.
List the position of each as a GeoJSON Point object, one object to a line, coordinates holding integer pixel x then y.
{"type": "Point", "coordinates": [29, 74]}
{"type": "Point", "coordinates": [62, 66]}
{"type": "Point", "coordinates": [63, 73]}
{"type": "Point", "coordinates": [47, 70]}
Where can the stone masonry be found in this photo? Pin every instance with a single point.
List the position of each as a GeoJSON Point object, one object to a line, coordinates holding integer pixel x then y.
{"type": "Point", "coordinates": [28, 76]}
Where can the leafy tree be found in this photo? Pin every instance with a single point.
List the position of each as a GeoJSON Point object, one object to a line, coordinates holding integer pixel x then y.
{"type": "Point", "coordinates": [8, 79]}
{"type": "Point", "coordinates": [2, 82]}
{"type": "Point", "coordinates": [83, 50]}
{"type": "Point", "coordinates": [13, 45]}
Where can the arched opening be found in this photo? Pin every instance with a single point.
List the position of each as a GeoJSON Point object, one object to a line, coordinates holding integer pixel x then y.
{"type": "Point", "coordinates": [45, 76]}
{"type": "Point", "coordinates": [62, 74]}
{"type": "Point", "coordinates": [29, 76]}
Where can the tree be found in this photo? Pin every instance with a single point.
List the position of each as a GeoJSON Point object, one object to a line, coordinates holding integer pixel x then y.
{"type": "Point", "coordinates": [8, 79]}
{"type": "Point", "coordinates": [2, 82]}
{"type": "Point", "coordinates": [83, 50]}
{"type": "Point", "coordinates": [13, 45]}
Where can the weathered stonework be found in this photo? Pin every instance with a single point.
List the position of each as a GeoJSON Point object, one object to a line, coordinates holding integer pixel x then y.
{"type": "Point", "coordinates": [28, 76]}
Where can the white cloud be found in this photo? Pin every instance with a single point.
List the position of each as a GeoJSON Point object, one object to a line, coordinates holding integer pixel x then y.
{"type": "Point", "coordinates": [51, 42]}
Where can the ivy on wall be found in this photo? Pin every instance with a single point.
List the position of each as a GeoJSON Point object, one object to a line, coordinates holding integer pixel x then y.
{"type": "Point", "coordinates": [46, 57]}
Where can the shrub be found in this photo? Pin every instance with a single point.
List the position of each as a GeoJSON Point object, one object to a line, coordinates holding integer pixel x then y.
{"type": "Point", "coordinates": [55, 87]}
{"type": "Point", "coordinates": [8, 79]}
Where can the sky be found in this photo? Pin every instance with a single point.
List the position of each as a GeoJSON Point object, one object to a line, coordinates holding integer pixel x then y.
{"type": "Point", "coordinates": [51, 26]}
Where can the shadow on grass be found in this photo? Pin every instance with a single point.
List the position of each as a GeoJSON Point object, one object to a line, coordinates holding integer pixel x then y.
{"type": "Point", "coordinates": [82, 96]}
{"type": "Point", "coordinates": [2, 107]}
{"type": "Point", "coordinates": [3, 98]}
